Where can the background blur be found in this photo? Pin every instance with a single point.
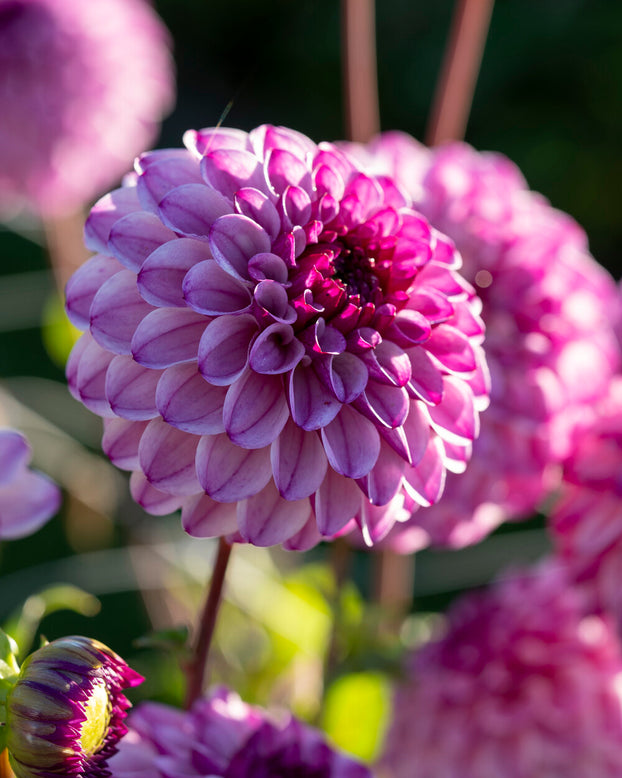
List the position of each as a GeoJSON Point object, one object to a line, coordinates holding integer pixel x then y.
{"type": "Point", "coordinates": [549, 96]}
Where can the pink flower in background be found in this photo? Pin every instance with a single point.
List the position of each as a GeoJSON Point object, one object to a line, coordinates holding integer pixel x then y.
{"type": "Point", "coordinates": [27, 498]}
{"type": "Point", "coordinates": [223, 737]}
{"type": "Point", "coordinates": [586, 522]}
{"type": "Point", "coordinates": [549, 310]}
{"type": "Point", "coordinates": [520, 685]}
{"type": "Point", "coordinates": [83, 87]}
{"type": "Point", "coordinates": [277, 342]}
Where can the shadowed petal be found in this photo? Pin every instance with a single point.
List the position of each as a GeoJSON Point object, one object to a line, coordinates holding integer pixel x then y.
{"type": "Point", "coordinates": [209, 289]}
{"type": "Point", "coordinates": [234, 239]}
{"type": "Point", "coordinates": [167, 458]}
{"type": "Point", "coordinates": [223, 350]}
{"type": "Point", "coordinates": [385, 478]}
{"type": "Point", "coordinates": [187, 401]}
{"type": "Point", "coordinates": [425, 482]}
{"type": "Point", "coordinates": [298, 462]}
{"type": "Point", "coordinates": [283, 169]}
{"type": "Point", "coordinates": [84, 285]}
{"type": "Point", "coordinates": [306, 538]}
{"type": "Point", "coordinates": [168, 336]}
{"type": "Point", "coordinates": [116, 310]}
{"type": "Point", "coordinates": [162, 274]}
{"type": "Point", "coordinates": [154, 501]}
{"type": "Point", "coordinates": [163, 175]}
{"type": "Point", "coordinates": [258, 207]}
{"type": "Point", "coordinates": [426, 381]}
{"type": "Point", "coordinates": [276, 350]}
{"type": "Point", "coordinates": [455, 418]}
{"type": "Point", "coordinates": [229, 473]}
{"type": "Point", "coordinates": [121, 440]}
{"type": "Point", "coordinates": [135, 236]}
{"type": "Point", "coordinates": [90, 377]}
{"type": "Point", "coordinates": [130, 389]}
{"type": "Point", "coordinates": [203, 517]}
{"type": "Point", "coordinates": [384, 404]}
{"type": "Point", "coordinates": [106, 211]}
{"type": "Point", "coordinates": [336, 502]}
{"type": "Point", "coordinates": [255, 410]}
{"type": "Point", "coordinates": [352, 443]}
{"type": "Point", "coordinates": [191, 209]}
{"type": "Point", "coordinates": [266, 519]}
{"type": "Point", "coordinates": [312, 405]}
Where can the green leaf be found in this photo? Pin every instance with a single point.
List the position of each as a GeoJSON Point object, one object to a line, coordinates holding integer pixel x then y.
{"type": "Point", "coordinates": [356, 712]}
{"type": "Point", "coordinates": [57, 332]}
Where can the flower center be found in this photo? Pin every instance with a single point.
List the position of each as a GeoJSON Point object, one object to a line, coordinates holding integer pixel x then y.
{"type": "Point", "coordinates": [356, 270]}
{"type": "Point", "coordinates": [95, 727]}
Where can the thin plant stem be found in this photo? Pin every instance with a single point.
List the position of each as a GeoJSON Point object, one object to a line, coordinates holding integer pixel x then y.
{"type": "Point", "coordinates": [459, 71]}
{"type": "Point", "coordinates": [395, 581]}
{"type": "Point", "coordinates": [340, 559]}
{"type": "Point", "coordinates": [196, 667]}
{"type": "Point", "coordinates": [66, 249]}
{"type": "Point", "coordinates": [360, 80]}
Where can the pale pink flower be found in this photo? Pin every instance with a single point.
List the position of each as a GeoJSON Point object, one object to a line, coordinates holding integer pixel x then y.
{"type": "Point", "coordinates": [521, 684]}
{"type": "Point", "coordinates": [277, 342]}
{"type": "Point", "coordinates": [223, 737]}
{"type": "Point", "coordinates": [27, 498]}
{"type": "Point", "coordinates": [83, 87]}
{"type": "Point", "coordinates": [549, 311]}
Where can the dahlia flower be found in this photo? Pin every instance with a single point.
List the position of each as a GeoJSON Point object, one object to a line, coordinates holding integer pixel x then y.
{"type": "Point", "coordinates": [586, 521]}
{"type": "Point", "coordinates": [277, 342]}
{"type": "Point", "coordinates": [65, 713]}
{"type": "Point", "coordinates": [27, 498]}
{"type": "Point", "coordinates": [223, 737]}
{"type": "Point", "coordinates": [550, 312]}
{"type": "Point", "coordinates": [83, 87]}
{"type": "Point", "coordinates": [521, 684]}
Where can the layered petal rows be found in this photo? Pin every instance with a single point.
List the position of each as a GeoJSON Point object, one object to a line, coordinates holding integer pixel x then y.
{"type": "Point", "coordinates": [278, 343]}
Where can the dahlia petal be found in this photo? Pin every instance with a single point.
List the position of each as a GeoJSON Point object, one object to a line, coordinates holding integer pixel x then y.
{"type": "Point", "coordinates": [388, 363]}
{"type": "Point", "coordinates": [15, 453]}
{"type": "Point", "coordinates": [106, 211]}
{"type": "Point", "coordinates": [384, 404]}
{"type": "Point", "coordinates": [90, 378]}
{"type": "Point", "coordinates": [455, 418]}
{"type": "Point", "coordinates": [168, 336]}
{"type": "Point", "coordinates": [426, 381]}
{"type": "Point", "coordinates": [234, 239]}
{"type": "Point", "coordinates": [209, 289]}
{"type": "Point", "coordinates": [187, 401]}
{"type": "Point", "coordinates": [425, 482]}
{"type": "Point", "coordinates": [200, 142]}
{"type": "Point", "coordinates": [336, 502]}
{"type": "Point", "coordinates": [351, 442]}
{"type": "Point", "coordinates": [346, 375]}
{"type": "Point", "coordinates": [162, 274]}
{"type": "Point", "coordinates": [191, 210]}
{"type": "Point", "coordinates": [116, 310]}
{"type": "Point", "coordinates": [306, 538]}
{"type": "Point", "coordinates": [255, 410]}
{"type": "Point", "coordinates": [298, 462]}
{"type": "Point", "coordinates": [451, 348]}
{"type": "Point", "coordinates": [328, 181]}
{"type": "Point", "coordinates": [130, 389]}
{"type": "Point", "coordinates": [163, 175]}
{"type": "Point", "coordinates": [229, 170]}
{"type": "Point", "coordinates": [203, 517]}
{"type": "Point", "coordinates": [409, 328]}
{"type": "Point", "coordinates": [229, 473]}
{"type": "Point", "coordinates": [121, 440]}
{"type": "Point", "coordinates": [84, 285]}
{"type": "Point", "coordinates": [258, 207]}
{"type": "Point", "coordinates": [154, 501]}
{"type": "Point", "coordinates": [276, 350]}
{"type": "Point", "coordinates": [73, 362]}
{"type": "Point", "coordinates": [268, 136]}
{"type": "Point", "coordinates": [365, 192]}
{"type": "Point", "coordinates": [385, 477]}
{"type": "Point", "coordinates": [266, 519]}
{"type": "Point", "coordinates": [167, 457]}
{"type": "Point", "coordinates": [417, 430]}
{"type": "Point", "coordinates": [135, 236]}
{"type": "Point", "coordinates": [296, 205]}
{"type": "Point", "coordinates": [312, 405]}
{"type": "Point", "coordinates": [224, 348]}
{"type": "Point", "coordinates": [272, 298]}
{"type": "Point", "coordinates": [283, 169]}
{"type": "Point", "coordinates": [26, 504]}
{"type": "Point", "coordinates": [268, 266]}
{"type": "Point", "coordinates": [144, 161]}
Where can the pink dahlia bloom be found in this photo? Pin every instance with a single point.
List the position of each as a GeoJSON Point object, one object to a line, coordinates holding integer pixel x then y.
{"type": "Point", "coordinates": [549, 311]}
{"type": "Point", "coordinates": [586, 522]}
{"type": "Point", "coordinates": [83, 87]}
{"type": "Point", "coordinates": [521, 684]}
{"type": "Point", "coordinates": [27, 498]}
{"type": "Point", "coordinates": [277, 342]}
{"type": "Point", "coordinates": [223, 737]}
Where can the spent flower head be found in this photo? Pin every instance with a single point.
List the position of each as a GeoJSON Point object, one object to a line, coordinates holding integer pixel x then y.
{"type": "Point", "coordinates": [277, 342]}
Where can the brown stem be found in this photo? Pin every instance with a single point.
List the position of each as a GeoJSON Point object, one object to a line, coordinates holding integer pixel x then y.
{"type": "Point", "coordinates": [394, 578]}
{"type": "Point", "coordinates": [340, 559]}
{"type": "Point", "coordinates": [456, 83]}
{"type": "Point", "coordinates": [196, 667]}
{"type": "Point", "coordinates": [66, 249]}
{"type": "Point", "coordinates": [360, 80]}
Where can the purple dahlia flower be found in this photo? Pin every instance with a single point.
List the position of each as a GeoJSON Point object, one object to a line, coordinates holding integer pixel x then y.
{"type": "Point", "coordinates": [586, 522]}
{"type": "Point", "coordinates": [27, 498]}
{"type": "Point", "coordinates": [223, 737]}
{"type": "Point", "coordinates": [83, 87]}
{"type": "Point", "coordinates": [65, 713]}
{"type": "Point", "coordinates": [550, 312]}
{"type": "Point", "coordinates": [277, 342]}
{"type": "Point", "coordinates": [521, 684]}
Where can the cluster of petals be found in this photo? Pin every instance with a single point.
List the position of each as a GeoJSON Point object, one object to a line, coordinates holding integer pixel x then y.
{"type": "Point", "coordinates": [27, 498]}
{"type": "Point", "coordinates": [277, 342]}
{"type": "Point", "coordinates": [550, 313]}
{"type": "Point", "coordinates": [521, 684]}
{"type": "Point", "coordinates": [83, 87]}
{"type": "Point", "coordinates": [586, 520]}
{"type": "Point", "coordinates": [223, 737]}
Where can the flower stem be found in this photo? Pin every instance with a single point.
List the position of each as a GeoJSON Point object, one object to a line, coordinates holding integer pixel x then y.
{"type": "Point", "coordinates": [456, 83]}
{"type": "Point", "coordinates": [360, 80]}
{"type": "Point", "coordinates": [196, 667]}
{"type": "Point", "coordinates": [66, 249]}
